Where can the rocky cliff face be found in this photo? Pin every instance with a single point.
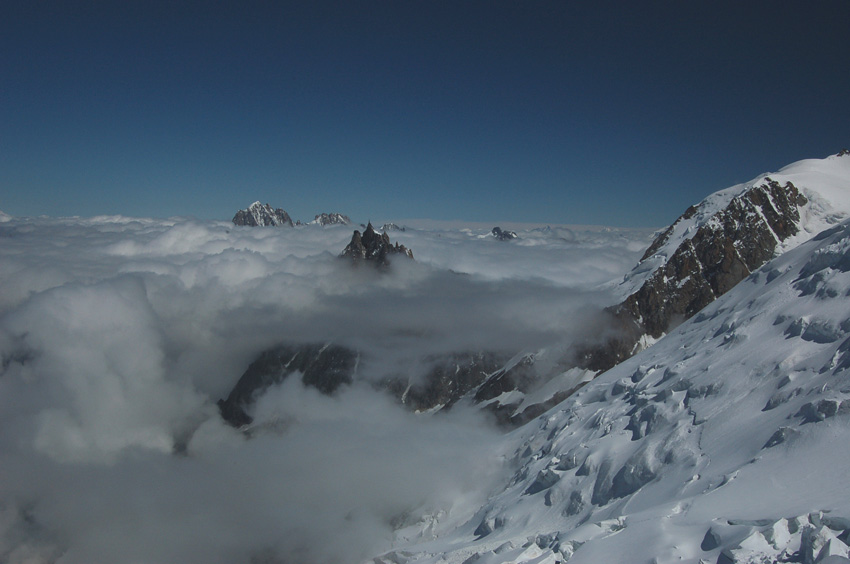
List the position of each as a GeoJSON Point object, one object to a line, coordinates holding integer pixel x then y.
{"type": "Point", "coordinates": [262, 215]}
{"type": "Point", "coordinates": [322, 366]}
{"type": "Point", "coordinates": [375, 248]}
{"type": "Point", "coordinates": [704, 254]}
{"type": "Point", "coordinates": [479, 377]}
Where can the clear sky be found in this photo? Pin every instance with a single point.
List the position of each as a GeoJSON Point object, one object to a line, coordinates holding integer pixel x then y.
{"type": "Point", "coordinates": [592, 112]}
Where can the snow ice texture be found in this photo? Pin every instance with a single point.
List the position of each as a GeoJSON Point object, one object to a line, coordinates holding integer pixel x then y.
{"type": "Point", "coordinates": [723, 442]}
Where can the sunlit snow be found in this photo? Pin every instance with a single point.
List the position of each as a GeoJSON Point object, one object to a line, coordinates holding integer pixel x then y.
{"type": "Point", "coordinates": [722, 441]}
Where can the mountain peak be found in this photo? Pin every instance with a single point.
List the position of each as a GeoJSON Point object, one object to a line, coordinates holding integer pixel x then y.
{"type": "Point", "coordinates": [373, 247]}
{"type": "Point", "coordinates": [331, 219]}
{"type": "Point", "coordinates": [717, 243]}
{"type": "Point", "coordinates": [262, 215]}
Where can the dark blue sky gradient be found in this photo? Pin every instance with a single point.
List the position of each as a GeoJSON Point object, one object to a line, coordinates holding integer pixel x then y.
{"type": "Point", "coordinates": [619, 113]}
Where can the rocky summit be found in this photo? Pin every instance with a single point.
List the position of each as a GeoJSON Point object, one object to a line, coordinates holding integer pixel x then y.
{"type": "Point", "coordinates": [262, 215]}
{"type": "Point", "coordinates": [324, 219]}
{"type": "Point", "coordinates": [372, 247]}
{"type": "Point", "coordinates": [700, 257]}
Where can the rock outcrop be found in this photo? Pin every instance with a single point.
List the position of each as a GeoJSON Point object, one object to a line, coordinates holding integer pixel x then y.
{"type": "Point", "coordinates": [375, 248]}
{"type": "Point", "coordinates": [700, 257]}
{"type": "Point", "coordinates": [262, 215]}
{"type": "Point", "coordinates": [322, 366]}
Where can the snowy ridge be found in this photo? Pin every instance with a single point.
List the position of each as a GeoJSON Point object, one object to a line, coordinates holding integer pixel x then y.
{"type": "Point", "coordinates": [724, 442]}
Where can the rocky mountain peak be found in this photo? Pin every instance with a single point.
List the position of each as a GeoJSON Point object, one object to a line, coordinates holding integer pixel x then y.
{"type": "Point", "coordinates": [262, 215]}
{"type": "Point", "coordinates": [374, 247]}
{"type": "Point", "coordinates": [331, 219]}
{"type": "Point", "coordinates": [704, 254]}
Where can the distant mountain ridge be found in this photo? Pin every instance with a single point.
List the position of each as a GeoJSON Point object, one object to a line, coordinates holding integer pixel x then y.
{"type": "Point", "coordinates": [708, 250]}
{"type": "Point", "coordinates": [331, 219]}
{"type": "Point", "coordinates": [262, 215]}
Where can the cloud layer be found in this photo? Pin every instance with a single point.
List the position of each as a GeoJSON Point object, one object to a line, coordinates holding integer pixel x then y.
{"type": "Point", "coordinates": [117, 336]}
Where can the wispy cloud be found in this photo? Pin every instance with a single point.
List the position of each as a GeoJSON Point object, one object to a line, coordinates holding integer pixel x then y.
{"type": "Point", "coordinates": [118, 335]}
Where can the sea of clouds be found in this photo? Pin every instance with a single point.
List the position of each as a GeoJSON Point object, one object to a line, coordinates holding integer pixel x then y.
{"type": "Point", "coordinates": [118, 335]}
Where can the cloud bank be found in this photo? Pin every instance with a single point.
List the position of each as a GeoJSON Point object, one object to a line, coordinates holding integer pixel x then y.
{"type": "Point", "coordinates": [117, 336]}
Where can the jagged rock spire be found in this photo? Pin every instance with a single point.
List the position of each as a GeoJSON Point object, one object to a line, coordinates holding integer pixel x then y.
{"type": "Point", "coordinates": [373, 247]}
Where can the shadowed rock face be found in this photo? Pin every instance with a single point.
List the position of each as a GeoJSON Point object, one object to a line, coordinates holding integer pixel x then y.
{"type": "Point", "coordinates": [327, 367]}
{"type": "Point", "coordinates": [324, 367]}
{"type": "Point", "coordinates": [474, 376]}
{"type": "Point", "coordinates": [724, 250]}
{"type": "Point", "coordinates": [371, 246]}
{"type": "Point", "coordinates": [262, 215]}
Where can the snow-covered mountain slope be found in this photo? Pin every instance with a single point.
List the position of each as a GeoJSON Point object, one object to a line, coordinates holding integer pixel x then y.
{"type": "Point", "coordinates": [724, 442]}
{"type": "Point", "coordinates": [823, 183]}
{"type": "Point", "coordinates": [717, 243]}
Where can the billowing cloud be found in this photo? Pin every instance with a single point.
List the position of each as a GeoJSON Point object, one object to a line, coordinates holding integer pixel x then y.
{"type": "Point", "coordinates": [117, 336]}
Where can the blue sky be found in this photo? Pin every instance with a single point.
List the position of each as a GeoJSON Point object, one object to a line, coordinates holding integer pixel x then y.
{"type": "Point", "coordinates": [618, 113]}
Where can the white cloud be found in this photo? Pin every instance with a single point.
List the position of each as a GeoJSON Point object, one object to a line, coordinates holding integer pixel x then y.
{"type": "Point", "coordinates": [118, 335]}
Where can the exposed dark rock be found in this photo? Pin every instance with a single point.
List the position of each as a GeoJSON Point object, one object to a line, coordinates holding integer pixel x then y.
{"type": "Point", "coordinates": [451, 378]}
{"type": "Point", "coordinates": [324, 367]}
{"type": "Point", "coordinates": [262, 215]}
{"type": "Point", "coordinates": [392, 227]}
{"type": "Point", "coordinates": [373, 247]}
{"type": "Point", "coordinates": [503, 235]}
{"type": "Point", "coordinates": [501, 380]}
{"type": "Point", "coordinates": [448, 379]}
{"type": "Point", "coordinates": [331, 219]}
{"type": "Point", "coordinates": [724, 250]}
{"type": "Point", "coordinates": [575, 504]}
